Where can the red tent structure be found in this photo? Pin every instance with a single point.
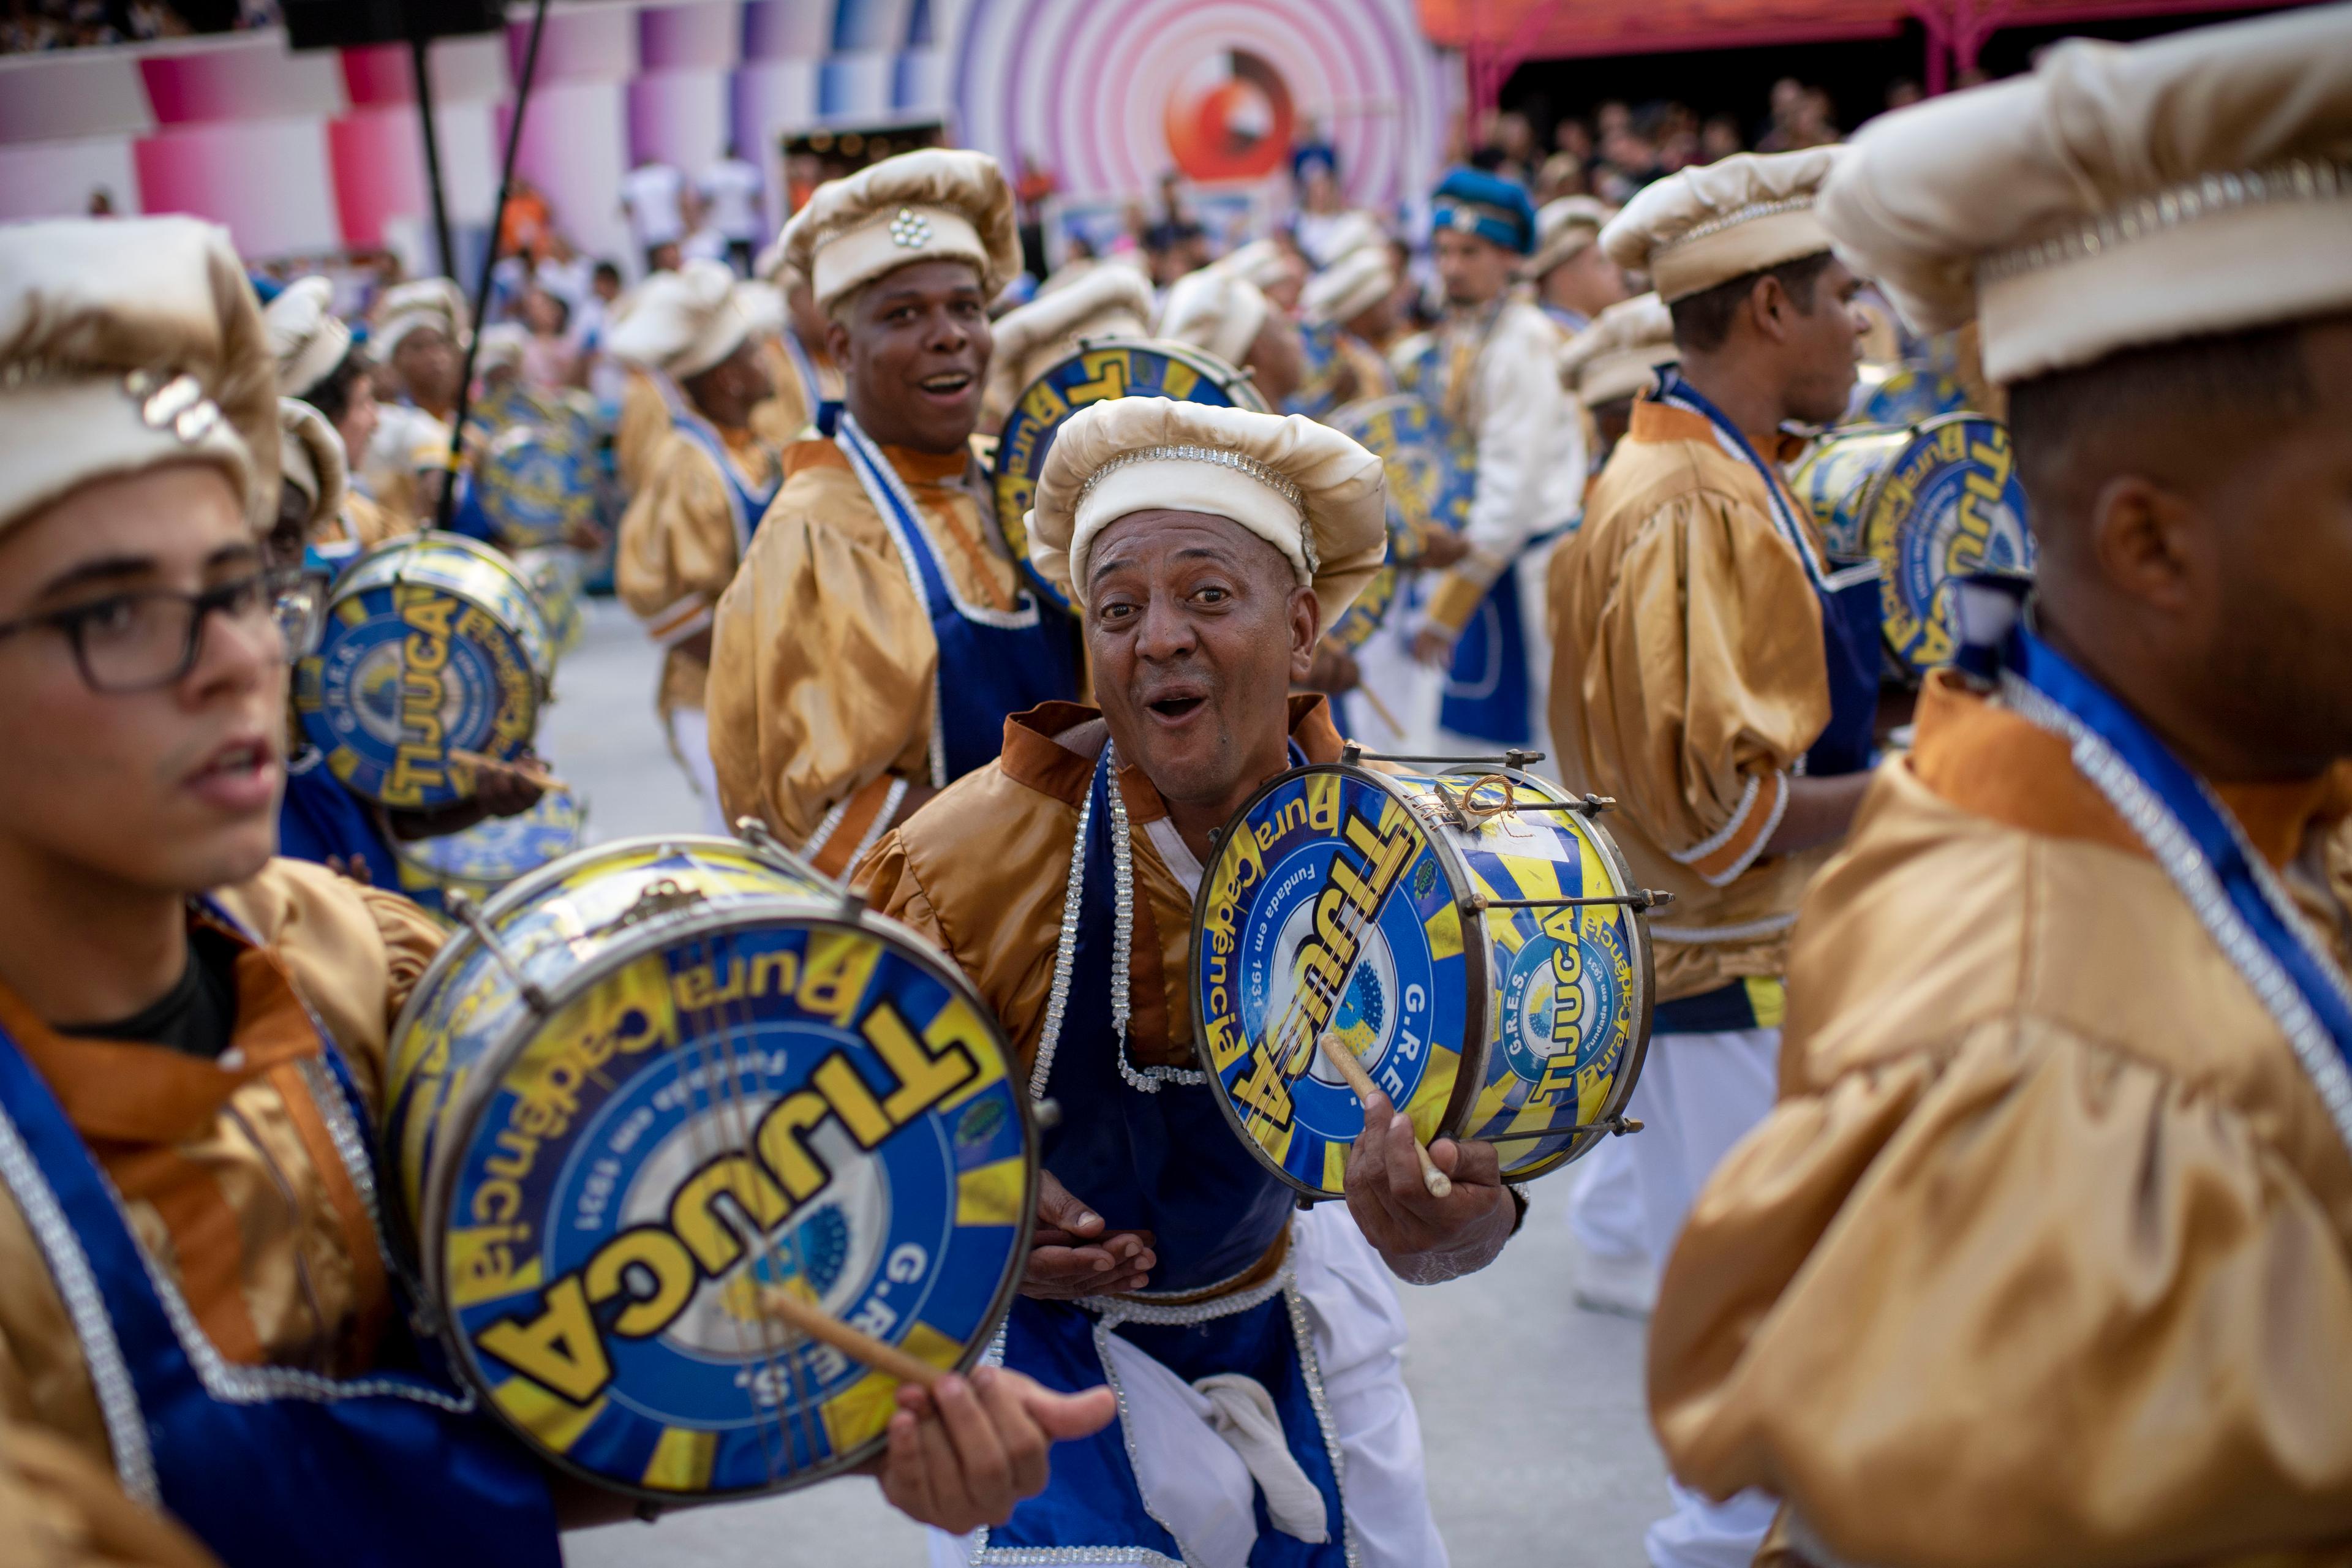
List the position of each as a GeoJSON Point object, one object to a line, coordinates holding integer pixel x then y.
{"type": "Point", "coordinates": [1497, 36]}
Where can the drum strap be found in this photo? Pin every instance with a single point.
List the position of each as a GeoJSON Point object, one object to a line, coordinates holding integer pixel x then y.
{"type": "Point", "coordinates": [2236, 897]}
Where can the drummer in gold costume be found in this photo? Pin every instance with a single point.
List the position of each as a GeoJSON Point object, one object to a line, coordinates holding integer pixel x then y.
{"type": "Point", "coordinates": [1106, 302]}
{"type": "Point", "coordinates": [1612, 362]}
{"type": "Point", "coordinates": [203, 1354]}
{"type": "Point", "coordinates": [317, 363]}
{"type": "Point", "coordinates": [2045, 1254]}
{"type": "Point", "coordinates": [1712, 674]}
{"type": "Point", "coordinates": [1354, 295]}
{"type": "Point", "coordinates": [708, 483]}
{"type": "Point", "coordinates": [806, 380]}
{"type": "Point", "coordinates": [1207, 546]}
{"type": "Point", "coordinates": [419, 337]}
{"type": "Point", "coordinates": [1231, 316]}
{"type": "Point", "coordinates": [879, 632]}
{"type": "Point", "coordinates": [1573, 275]}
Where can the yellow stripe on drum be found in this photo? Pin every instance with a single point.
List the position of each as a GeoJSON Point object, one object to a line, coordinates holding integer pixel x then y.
{"type": "Point", "coordinates": [552, 1421]}
{"type": "Point", "coordinates": [352, 611]}
{"type": "Point", "coordinates": [858, 1414]}
{"type": "Point", "coordinates": [1445, 929]}
{"type": "Point", "coordinates": [1428, 1107]}
{"type": "Point", "coordinates": [1537, 878]}
{"type": "Point", "coordinates": [479, 1262]}
{"type": "Point", "coordinates": [1335, 1166]}
{"type": "Point", "coordinates": [1769, 994]}
{"type": "Point", "coordinates": [681, 1461]}
{"type": "Point", "coordinates": [992, 1194]}
{"type": "Point", "coordinates": [1323, 803]}
{"type": "Point", "coordinates": [342, 761]}
{"type": "Point", "coordinates": [926, 1344]}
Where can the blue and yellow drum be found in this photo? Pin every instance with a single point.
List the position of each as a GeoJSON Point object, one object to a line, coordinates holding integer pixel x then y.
{"type": "Point", "coordinates": [1473, 935]}
{"type": "Point", "coordinates": [1110, 367]}
{"type": "Point", "coordinates": [1904, 395]}
{"type": "Point", "coordinates": [657, 1082]}
{"type": "Point", "coordinates": [558, 575]}
{"type": "Point", "coordinates": [1931, 503]}
{"type": "Point", "coordinates": [433, 644]}
{"type": "Point", "coordinates": [1430, 480]}
{"type": "Point", "coordinates": [537, 477]}
{"type": "Point", "coordinates": [1322, 368]}
{"type": "Point", "coordinates": [492, 853]}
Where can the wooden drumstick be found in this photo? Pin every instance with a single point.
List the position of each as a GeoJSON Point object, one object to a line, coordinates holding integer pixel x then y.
{"type": "Point", "coordinates": [856, 1343]}
{"type": "Point", "coordinates": [1435, 1180]}
{"type": "Point", "coordinates": [523, 770]}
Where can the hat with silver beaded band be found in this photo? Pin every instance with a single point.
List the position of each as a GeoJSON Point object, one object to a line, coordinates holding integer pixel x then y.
{"type": "Point", "coordinates": [1312, 493]}
{"type": "Point", "coordinates": [126, 345]}
{"type": "Point", "coordinates": [2118, 197]}
{"type": "Point", "coordinates": [937, 204]}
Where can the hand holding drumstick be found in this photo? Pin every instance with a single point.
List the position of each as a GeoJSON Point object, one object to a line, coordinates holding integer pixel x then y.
{"type": "Point", "coordinates": [1423, 1234]}
{"type": "Point", "coordinates": [1438, 1182]}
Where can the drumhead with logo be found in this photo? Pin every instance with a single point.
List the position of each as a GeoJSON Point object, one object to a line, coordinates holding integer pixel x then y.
{"type": "Point", "coordinates": [1947, 503]}
{"type": "Point", "coordinates": [538, 482]}
{"type": "Point", "coordinates": [432, 644]}
{"type": "Point", "coordinates": [732, 1084]}
{"type": "Point", "coordinates": [495, 851]}
{"type": "Point", "coordinates": [1350, 903]}
{"type": "Point", "coordinates": [1908, 395]}
{"type": "Point", "coordinates": [1112, 367]}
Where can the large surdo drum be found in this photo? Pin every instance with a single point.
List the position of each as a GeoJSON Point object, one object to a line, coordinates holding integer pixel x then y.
{"type": "Point", "coordinates": [656, 1082]}
{"type": "Point", "coordinates": [1431, 479]}
{"type": "Point", "coordinates": [1101, 368]}
{"type": "Point", "coordinates": [1472, 935]}
{"type": "Point", "coordinates": [433, 643]}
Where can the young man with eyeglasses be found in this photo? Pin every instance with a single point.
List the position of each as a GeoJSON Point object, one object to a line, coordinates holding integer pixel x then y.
{"type": "Point", "coordinates": [198, 1317]}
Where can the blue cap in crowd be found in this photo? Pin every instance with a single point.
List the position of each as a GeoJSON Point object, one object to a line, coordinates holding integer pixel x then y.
{"type": "Point", "coordinates": [1488, 205]}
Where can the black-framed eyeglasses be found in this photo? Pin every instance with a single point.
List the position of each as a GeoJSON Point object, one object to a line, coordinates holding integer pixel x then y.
{"type": "Point", "coordinates": [146, 640]}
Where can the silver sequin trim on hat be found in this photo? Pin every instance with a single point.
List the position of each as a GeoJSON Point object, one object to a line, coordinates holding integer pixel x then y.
{"type": "Point", "coordinates": [2296, 180]}
{"type": "Point", "coordinates": [1733, 219]}
{"type": "Point", "coordinates": [1240, 463]}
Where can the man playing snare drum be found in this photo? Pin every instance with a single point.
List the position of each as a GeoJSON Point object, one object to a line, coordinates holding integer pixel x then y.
{"type": "Point", "coordinates": [203, 1356]}
{"type": "Point", "coordinates": [1255, 1349]}
{"type": "Point", "coordinates": [877, 633]}
{"type": "Point", "coordinates": [2044, 1254]}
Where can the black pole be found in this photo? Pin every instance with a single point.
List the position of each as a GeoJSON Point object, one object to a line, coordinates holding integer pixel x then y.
{"type": "Point", "coordinates": [489, 261]}
{"type": "Point", "coordinates": [417, 42]}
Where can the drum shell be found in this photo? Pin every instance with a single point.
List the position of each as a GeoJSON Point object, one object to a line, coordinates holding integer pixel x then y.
{"type": "Point", "coordinates": [537, 482]}
{"type": "Point", "coordinates": [1834, 482]}
{"type": "Point", "coordinates": [1948, 502]}
{"type": "Point", "coordinates": [1907, 395]}
{"type": "Point", "coordinates": [470, 1059]}
{"type": "Point", "coordinates": [432, 594]}
{"type": "Point", "coordinates": [1101, 368]}
{"type": "Point", "coordinates": [1437, 1003]}
{"type": "Point", "coordinates": [493, 853]}
{"type": "Point", "coordinates": [556, 574]}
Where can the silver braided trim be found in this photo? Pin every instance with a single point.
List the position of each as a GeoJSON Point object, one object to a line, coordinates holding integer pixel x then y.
{"type": "Point", "coordinates": [1733, 219]}
{"type": "Point", "coordinates": [109, 1374]}
{"type": "Point", "coordinates": [2182, 862]}
{"type": "Point", "coordinates": [1239, 462]}
{"type": "Point", "coordinates": [1146, 1081]}
{"type": "Point", "coordinates": [2296, 180]}
{"type": "Point", "coordinates": [1066, 953]}
{"type": "Point", "coordinates": [1310, 1368]}
{"type": "Point", "coordinates": [1117, 1309]}
{"type": "Point", "coordinates": [892, 799]}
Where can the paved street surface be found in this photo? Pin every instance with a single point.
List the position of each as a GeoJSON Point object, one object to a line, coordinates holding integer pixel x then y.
{"type": "Point", "coordinates": [1539, 1454]}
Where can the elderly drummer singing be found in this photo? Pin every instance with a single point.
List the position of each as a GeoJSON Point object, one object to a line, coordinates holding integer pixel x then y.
{"type": "Point", "coordinates": [1255, 1349]}
{"type": "Point", "coordinates": [204, 1356]}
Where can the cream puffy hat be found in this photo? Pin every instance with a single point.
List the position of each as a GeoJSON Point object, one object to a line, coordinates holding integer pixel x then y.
{"type": "Point", "coordinates": [683, 322]}
{"type": "Point", "coordinates": [1304, 488]}
{"type": "Point", "coordinates": [1613, 357]}
{"type": "Point", "coordinates": [1349, 286]}
{"type": "Point", "coordinates": [1219, 311]}
{"type": "Point", "coordinates": [1563, 228]}
{"type": "Point", "coordinates": [937, 204]}
{"type": "Point", "coordinates": [763, 306]}
{"type": "Point", "coordinates": [1105, 302]}
{"type": "Point", "coordinates": [125, 345]}
{"type": "Point", "coordinates": [305, 336]}
{"type": "Point", "coordinates": [2117, 196]}
{"type": "Point", "coordinates": [1353, 232]}
{"type": "Point", "coordinates": [1714, 222]}
{"type": "Point", "coordinates": [1264, 262]}
{"type": "Point", "coordinates": [422, 302]}
{"type": "Point", "coordinates": [501, 347]}
{"type": "Point", "coordinates": [312, 461]}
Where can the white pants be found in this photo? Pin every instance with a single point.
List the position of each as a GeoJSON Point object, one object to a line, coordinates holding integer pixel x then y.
{"type": "Point", "coordinates": [1604, 1212]}
{"type": "Point", "coordinates": [1698, 1095]}
{"type": "Point", "coordinates": [1196, 1485]}
{"type": "Point", "coordinates": [689, 731]}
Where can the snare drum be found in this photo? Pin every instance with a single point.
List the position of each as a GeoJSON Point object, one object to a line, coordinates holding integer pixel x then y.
{"type": "Point", "coordinates": [1104, 368]}
{"type": "Point", "coordinates": [434, 643]}
{"type": "Point", "coordinates": [485, 856]}
{"type": "Point", "coordinates": [654, 1082]}
{"type": "Point", "coordinates": [556, 574]}
{"type": "Point", "coordinates": [1931, 503]}
{"type": "Point", "coordinates": [537, 481]}
{"type": "Point", "coordinates": [1473, 935]}
{"type": "Point", "coordinates": [1904, 395]}
{"type": "Point", "coordinates": [1430, 481]}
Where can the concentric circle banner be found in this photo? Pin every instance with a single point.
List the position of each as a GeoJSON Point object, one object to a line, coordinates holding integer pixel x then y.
{"type": "Point", "coordinates": [1110, 96]}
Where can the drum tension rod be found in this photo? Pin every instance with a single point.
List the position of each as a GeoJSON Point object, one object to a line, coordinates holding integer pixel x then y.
{"type": "Point", "coordinates": [755, 833]}
{"type": "Point", "coordinates": [1352, 753]}
{"type": "Point", "coordinates": [1640, 898]}
{"type": "Point", "coordinates": [471, 914]}
{"type": "Point", "coordinates": [1616, 1127]}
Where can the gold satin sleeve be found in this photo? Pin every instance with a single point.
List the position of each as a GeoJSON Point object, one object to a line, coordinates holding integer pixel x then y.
{"type": "Point", "coordinates": [644, 420]}
{"type": "Point", "coordinates": [782, 416]}
{"type": "Point", "coordinates": [822, 667]}
{"type": "Point", "coordinates": [676, 556]}
{"type": "Point", "coordinates": [1704, 681]}
{"type": "Point", "coordinates": [355, 952]}
{"type": "Point", "coordinates": [60, 1509]}
{"type": "Point", "coordinates": [2013, 1297]}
